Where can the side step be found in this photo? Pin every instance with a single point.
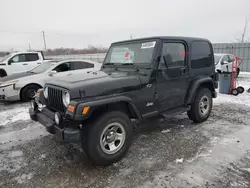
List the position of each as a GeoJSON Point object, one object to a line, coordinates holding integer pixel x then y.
{"type": "Point", "coordinates": [174, 111]}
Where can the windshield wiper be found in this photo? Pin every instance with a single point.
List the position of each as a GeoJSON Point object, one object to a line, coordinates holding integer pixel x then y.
{"type": "Point", "coordinates": [110, 64]}
{"type": "Point", "coordinates": [125, 64]}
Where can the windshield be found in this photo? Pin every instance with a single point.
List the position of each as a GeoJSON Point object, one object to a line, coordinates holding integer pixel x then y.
{"type": "Point", "coordinates": [5, 57]}
{"type": "Point", "coordinates": [217, 59]}
{"type": "Point", "coordinates": [43, 67]}
{"type": "Point", "coordinates": [132, 53]}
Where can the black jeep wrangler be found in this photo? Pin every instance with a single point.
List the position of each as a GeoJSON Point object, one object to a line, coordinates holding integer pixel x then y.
{"type": "Point", "coordinates": [141, 78]}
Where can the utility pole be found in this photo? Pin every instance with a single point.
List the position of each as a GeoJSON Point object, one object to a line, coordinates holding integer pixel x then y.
{"type": "Point", "coordinates": [44, 41]}
{"type": "Point", "coordinates": [131, 37]}
{"type": "Point", "coordinates": [29, 46]}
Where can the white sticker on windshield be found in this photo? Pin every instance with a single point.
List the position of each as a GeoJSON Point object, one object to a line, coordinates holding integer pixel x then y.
{"type": "Point", "coordinates": [148, 45]}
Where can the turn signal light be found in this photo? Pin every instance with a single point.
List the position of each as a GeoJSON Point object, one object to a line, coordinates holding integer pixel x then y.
{"type": "Point", "coordinates": [37, 94]}
{"type": "Point", "coordinates": [85, 110]}
{"type": "Point", "coordinates": [71, 108]}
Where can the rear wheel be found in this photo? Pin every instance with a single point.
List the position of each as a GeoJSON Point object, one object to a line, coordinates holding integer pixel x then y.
{"type": "Point", "coordinates": [201, 106]}
{"type": "Point", "coordinates": [28, 92]}
{"type": "Point", "coordinates": [107, 139]}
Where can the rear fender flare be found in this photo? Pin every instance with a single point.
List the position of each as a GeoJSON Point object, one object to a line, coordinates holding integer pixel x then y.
{"type": "Point", "coordinates": [194, 87]}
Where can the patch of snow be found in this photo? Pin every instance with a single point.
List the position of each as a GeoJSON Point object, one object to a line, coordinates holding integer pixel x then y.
{"type": "Point", "coordinates": [16, 153]}
{"type": "Point", "coordinates": [23, 178]}
{"type": "Point", "coordinates": [13, 115]}
{"type": "Point", "coordinates": [179, 160]}
{"type": "Point", "coordinates": [166, 131]}
{"type": "Point", "coordinates": [43, 156]}
{"type": "Point", "coordinates": [246, 169]}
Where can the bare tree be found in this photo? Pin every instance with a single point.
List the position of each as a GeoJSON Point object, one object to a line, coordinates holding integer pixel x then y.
{"type": "Point", "coordinates": [243, 35]}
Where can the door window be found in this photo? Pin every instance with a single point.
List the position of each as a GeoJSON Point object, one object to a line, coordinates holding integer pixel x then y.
{"type": "Point", "coordinates": [32, 57]}
{"type": "Point", "coordinates": [174, 55]}
{"type": "Point", "coordinates": [63, 67]}
{"type": "Point", "coordinates": [82, 65]}
{"type": "Point", "coordinates": [18, 58]}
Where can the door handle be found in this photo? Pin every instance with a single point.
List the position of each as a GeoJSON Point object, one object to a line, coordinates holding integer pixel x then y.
{"type": "Point", "coordinates": [38, 63]}
{"type": "Point", "coordinates": [183, 71]}
{"type": "Point", "coordinates": [25, 64]}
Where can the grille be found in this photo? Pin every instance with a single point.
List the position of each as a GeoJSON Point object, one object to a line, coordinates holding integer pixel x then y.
{"type": "Point", "coordinates": [55, 99]}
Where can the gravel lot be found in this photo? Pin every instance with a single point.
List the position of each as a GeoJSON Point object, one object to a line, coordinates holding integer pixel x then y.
{"type": "Point", "coordinates": [164, 153]}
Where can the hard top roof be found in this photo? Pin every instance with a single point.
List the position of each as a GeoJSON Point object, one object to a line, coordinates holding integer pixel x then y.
{"type": "Point", "coordinates": [188, 39]}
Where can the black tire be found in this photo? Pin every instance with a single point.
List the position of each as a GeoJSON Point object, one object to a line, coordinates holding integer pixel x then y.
{"type": "Point", "coordinates": [235, 92]}
{"type": "Point", "coordinates": [28, 92]}
{"type": "Point", "coordinates": [240, 89]}
{"type": "Point", "coordinates": [196, 114]}
{"type": "Point", "coordinates": [93, 139]}
{"type": "Point", "coordinates": [2, 73]}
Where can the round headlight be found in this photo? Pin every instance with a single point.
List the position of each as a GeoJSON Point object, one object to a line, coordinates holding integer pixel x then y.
{"type": "Point", "coordinates": [45, 92]}
{"type": "Point", "coordinates": [66, 98]}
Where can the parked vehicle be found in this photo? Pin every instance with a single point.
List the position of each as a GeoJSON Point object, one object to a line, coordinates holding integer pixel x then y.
{"type": "Point", "coordinates": [223, 63]}
{"type": "Point", "coordinates": [22, 86]}
{"type": "Point", "coordinates": [139, 79]}
{"type": "Point", "coordinates": [20, 62]}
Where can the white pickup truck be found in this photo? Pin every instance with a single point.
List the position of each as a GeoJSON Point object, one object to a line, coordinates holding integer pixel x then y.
{"type": "Point", "coordinates": [20, 62]}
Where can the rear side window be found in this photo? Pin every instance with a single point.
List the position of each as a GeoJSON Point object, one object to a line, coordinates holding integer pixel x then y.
{"type": "Point", "coordinates": [82, 65]}
{"type": "Point", "coordinates": [201, 55]}
{"type": "Point", "coordinates": [32, 57]}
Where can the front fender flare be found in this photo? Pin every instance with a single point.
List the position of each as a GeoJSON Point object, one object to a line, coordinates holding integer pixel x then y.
{"type": "Point", "coordinates": [99, 102]}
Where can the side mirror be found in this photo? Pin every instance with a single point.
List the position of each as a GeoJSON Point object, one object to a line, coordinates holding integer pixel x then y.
{"type": "Point", "coordinates": [51, 73]}
{"type": "Point", "coordinates": [10, 61]}
{"type": "Point", "coordinates": [222, 63]}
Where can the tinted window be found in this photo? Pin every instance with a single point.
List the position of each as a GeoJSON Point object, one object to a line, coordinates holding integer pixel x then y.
{"type": "Point", "coordinates": [18, 58]}
{"type": "Point", "coordinates": [174, 54]}
{"type": "Point", "coordinates": [63, 67]}
{"type": "Point", "coordinates": [201, 55]}
{"type": "Point", "coordinates": [82, 65]}
{"type": "Point", "coordinates": [32, 57]}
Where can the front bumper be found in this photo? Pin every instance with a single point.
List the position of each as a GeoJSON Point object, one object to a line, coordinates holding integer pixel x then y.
{"type": "Point", "coordinates": [46, 118]}
{"type": "Point", "coordinates": [8, 93]}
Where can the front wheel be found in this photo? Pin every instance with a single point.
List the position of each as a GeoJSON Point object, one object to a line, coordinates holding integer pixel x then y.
{"type": "Point", "coordinates": [108, 138]}
{"type": "Point", "coordinates": [201, 106]}
{"type": "Point", "coordinates": [28, 92]}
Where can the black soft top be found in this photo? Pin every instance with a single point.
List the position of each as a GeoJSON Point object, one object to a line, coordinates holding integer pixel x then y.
{"type": "Point", "coordinates": [187, 39]}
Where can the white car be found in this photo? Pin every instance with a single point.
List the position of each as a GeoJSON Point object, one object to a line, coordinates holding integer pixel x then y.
{"type": "Point", "coordinates": [223, 63]}
{"type": "Point", "coordinates": [23, 86]}
{"type": "Point", "coordinates": [20, 62]}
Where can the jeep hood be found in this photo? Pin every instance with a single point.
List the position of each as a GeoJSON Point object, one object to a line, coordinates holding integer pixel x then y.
{"type": "Point", "coordinates": [98, 83]}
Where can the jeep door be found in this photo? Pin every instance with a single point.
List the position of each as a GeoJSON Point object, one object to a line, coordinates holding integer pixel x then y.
{"type": "Point", "coordinates": [172, 77]}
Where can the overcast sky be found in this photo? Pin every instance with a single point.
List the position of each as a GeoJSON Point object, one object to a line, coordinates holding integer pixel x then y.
{"type": "Point", "coordinates": [79, 23]}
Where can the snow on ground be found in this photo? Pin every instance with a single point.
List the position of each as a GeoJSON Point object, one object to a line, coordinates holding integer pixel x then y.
{"type": "Point", "coordinates": [165, 153]}
{"type": "Point", "coordinates": [13, 115]}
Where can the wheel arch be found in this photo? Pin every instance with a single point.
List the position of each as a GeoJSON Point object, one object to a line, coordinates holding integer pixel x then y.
{"type": "Point", "coordinates": [206, 82]}
{"type": "Point", "coordinates": [120, 103]}
{"type": "Point", "coordinates": [3, 71]}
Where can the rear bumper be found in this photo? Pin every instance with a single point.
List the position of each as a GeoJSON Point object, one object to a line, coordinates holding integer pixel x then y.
{"type": "Point", "coordinates": [8, 93]}
{"type": "Point", "coordinates": [46, 118]}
